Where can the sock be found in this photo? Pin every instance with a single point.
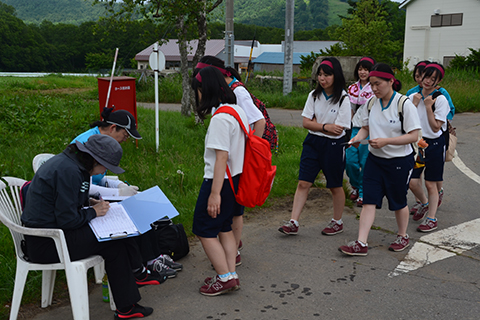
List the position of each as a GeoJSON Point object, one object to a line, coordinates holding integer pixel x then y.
{"type": "Point", "coordinates": [432, 219]}
{"type": "Point", "coordinates": [424, 205]}
{"type": "Point", "coordinates": [362, 244]}
{"type": "Point", "coordinates": [338, 221]}
{"type": "Point", "coordinates": [295, 222]}
{"type": "Point", "coordinates": [234, 274]}
{"type": "Point", "coordinates": [224, 277]}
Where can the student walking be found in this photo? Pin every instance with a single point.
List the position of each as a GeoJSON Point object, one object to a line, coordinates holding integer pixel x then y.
{"type": "Point", "coordinates": [433, 109]}
{"type": "Point", "coordinates": [216, 204]}
{"type": "Point", "coordinates": [358, 93]}
{"type": "Point", "coordinates": [390, 161]}
{"type": "Point", "coordinates": [326, 115]}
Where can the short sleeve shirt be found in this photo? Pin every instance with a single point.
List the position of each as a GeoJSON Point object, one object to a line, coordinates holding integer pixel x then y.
{"type": "Point", "coordinates": [244, 100]}
{"type": "Point", "coordinates": [442, 109]}
{"type": "Point", "coordinates": [325, 111]}
{"type": "Point", "coordinates": [384, 122]}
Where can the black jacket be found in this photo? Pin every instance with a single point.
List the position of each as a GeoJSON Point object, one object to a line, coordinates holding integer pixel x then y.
{"type": "Point", "coordinates": [58, 194]}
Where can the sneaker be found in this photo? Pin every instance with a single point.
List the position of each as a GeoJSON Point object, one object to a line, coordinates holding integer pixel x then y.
{"type": "Point", "coordinates": [137, 311]}
{"type": "Point", "coordinates": [400, 244]}
{"type": "Point", "coordinates": [332, 228]}
{"type": "Point", "coordinates": [440, 197]}
{"type": "Point", "coordinates": [427, 225]}
{"type": "Point", "coordinates": [359, 202]}
{"type": "Point", "coordinates": [289, 228]}
{"type": "Point", "coordinates": [168, 261]}
{"type": "Point", "coordinates": [354, 248]}
{"type": "Point", "coordinates": [420, 214]}
{"type": "Point", "coordinates": [217, 287]}
{"type": "Point", "coordinates": [209, 280]}
{"type": "Point", "coordinates": [240, 245]}
{"type": "Point", "coordinates": [415, 207]}
{"type": "Point", "coordinates": [354, 194]}
{"type": "Point", "coordinates": [238, 259]}
{"type": "Point", "coordinates": [150, 278]}
{"type": "Point", "coordinates": [161, 268]}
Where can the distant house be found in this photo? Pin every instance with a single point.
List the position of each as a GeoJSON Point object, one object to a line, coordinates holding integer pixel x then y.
{"type": "Point", "coordinates": [216, 47]}
{"type": "Point", "coordinates": [273, 61]}
{"type": "Point", "coordinates": [437, 30]}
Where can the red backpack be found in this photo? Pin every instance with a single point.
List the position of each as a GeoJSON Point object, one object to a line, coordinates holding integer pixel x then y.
{"type": "Point", "coordinates": [270, 133]}
{"type": "Point", "coordinates": [258, 173]}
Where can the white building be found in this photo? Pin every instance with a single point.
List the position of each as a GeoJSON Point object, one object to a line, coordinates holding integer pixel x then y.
{"type": "Point", "coordinates": [437, 30]}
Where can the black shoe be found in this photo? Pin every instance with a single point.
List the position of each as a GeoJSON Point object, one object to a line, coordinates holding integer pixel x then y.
{"type": "Point", "coordinates": [137, 311]}
{"type": "Point", "coordinates": [150, 278]}
{"type": "Point", "coordinates": [159, 267]}
{"type": "Point", "coordinates": [167, 260]}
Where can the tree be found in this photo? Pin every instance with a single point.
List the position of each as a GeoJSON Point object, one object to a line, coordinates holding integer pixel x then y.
{"type": "Point", "coordinates": [189, 19]}
{"type": "Point", "coordinates": [367, 33]}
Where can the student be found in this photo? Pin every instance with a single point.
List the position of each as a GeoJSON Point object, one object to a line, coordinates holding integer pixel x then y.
{"type": "Point", "coordinates": [416, 182]}
{"type": "Point", "coordinates": [359, 93]}
{"type": "Point", "coordinates": [390, 161]}
{"type": "Point", "coordinates": [433, 119]}
{"type": "Point", "coordinates": [57, 197]}
{"type": "Point", "coordinates": [326, 115]}
{"type": "Point", "coordinates": [216, 205]}
{"type": "Point", "coordinates": [119, 125]}
{"type": "Point", "coordinates": [255, 119]}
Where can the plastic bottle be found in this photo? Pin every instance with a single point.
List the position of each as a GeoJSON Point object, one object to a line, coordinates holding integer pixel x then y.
{"type": "Point", "coordinates": [105, 294]}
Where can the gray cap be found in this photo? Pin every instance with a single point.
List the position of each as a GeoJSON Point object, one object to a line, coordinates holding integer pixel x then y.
{"type": "Point", "coordinates": [106, 150]}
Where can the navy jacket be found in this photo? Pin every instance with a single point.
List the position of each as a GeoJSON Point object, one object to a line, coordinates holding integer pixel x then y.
{"type": "Point", "coordinates": [58, 194]}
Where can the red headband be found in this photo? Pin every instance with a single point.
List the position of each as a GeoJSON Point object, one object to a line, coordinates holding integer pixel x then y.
{"type": "Point", "coordinates": [381, 74]}
{"type": "Point", "coordinates": [328, 63]}
{"type": "Point", "coordinates": [202, 65]}
{"type": "Point", "coordinates": [198, 77]}
{"type": "Point", "coordinates": [436, 66]}
{"type": "Point", "coordinates": [367, 59]}
{"type": "Point", "coordinates": [421, 64]}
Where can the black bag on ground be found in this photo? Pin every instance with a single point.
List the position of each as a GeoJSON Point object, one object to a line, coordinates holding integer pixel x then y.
{"type": "Point", "coordinates": [171, 238]}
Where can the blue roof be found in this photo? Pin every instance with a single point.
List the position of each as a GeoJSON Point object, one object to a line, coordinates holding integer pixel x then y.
{"type": "Point", "coordinates": [278, 57]}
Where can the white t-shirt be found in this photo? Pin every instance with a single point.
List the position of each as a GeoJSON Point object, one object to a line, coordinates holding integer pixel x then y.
{"type": "Point", "coordinates": [326, 112]}
{"type": "Point", "coordinates": [224, 133]}
{"type": "Point", "coordinates": [442, 109]}
{"type": "Point", "coordinates": [244, 100]}
{"type": "Point", "coordinates": [386, 124]}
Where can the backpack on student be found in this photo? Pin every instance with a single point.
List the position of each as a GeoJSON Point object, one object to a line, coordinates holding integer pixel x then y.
{"type": "Point", "coordinates": [270, 133]}
{"type": "Point", "coordinates": [450, 134]}
{"type": "Point", "coordinates": [401, 103]}
{"type": "Point", "coordinates": [258, 173]}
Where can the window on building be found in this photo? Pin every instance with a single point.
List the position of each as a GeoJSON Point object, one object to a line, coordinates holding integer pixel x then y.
{"type": "Point", "coordinates": [446, 20]}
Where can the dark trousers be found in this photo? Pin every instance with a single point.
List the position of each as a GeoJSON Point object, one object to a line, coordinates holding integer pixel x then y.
{"type": "Point", "coordinates": [121, 257]}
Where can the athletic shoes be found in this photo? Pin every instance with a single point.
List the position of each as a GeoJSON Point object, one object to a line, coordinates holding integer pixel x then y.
{"type": "Point", "coordinates": [289, 228]}
{"type": "Point", "coordinates": [427, 225]}
{"type": "Point", "coordinates": [137, 311]}
{"type": "Point", "coordinates": [415, 207]}
{"type": "Point", "coordinates": [161, 268]}
{"type": "Point", "coordinates": [238, 259]}
{"type": "Point", "coordinates": [400, 244]}
{"type": "Point", "coordinates": [150, 278]}
{"type": "Point", "coordinates": [359, 202]}
{"type": "Point", "coordinates": [210, 280]}
{"type": "Point", "coordinates": [421, 212]}
{"type": "Point", "coordinates": [354, 194]}
{"type": "Point", "coordinates": [440, 197]}
{"type": "Point", "coordinates": [168, 261]}
{"type": "Point", "coordinates": [217, 287]}
{"type": "Point", "coordinates": [354, 248]}
{"type": "Point", "coordinates": [332, 228]}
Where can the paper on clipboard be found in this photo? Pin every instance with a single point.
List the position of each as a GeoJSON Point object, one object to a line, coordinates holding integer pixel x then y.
{"type": "Point", "coordinates": [133, 216]}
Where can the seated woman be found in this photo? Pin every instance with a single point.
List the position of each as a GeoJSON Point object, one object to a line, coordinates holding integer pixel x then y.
{"type": "Point", "coordinates": [58, 197]}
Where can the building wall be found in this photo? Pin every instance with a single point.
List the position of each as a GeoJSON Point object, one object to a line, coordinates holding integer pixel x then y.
{"type": "Point", "coordinates": [423, 42]}
{"type": "Point", "coordinates": [258, 67]}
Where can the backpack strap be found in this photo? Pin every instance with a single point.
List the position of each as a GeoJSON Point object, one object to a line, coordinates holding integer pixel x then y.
{"type": "Point", "coordinates": [401, 103]}
{"type": "Point", "coordinates": [229, 110]}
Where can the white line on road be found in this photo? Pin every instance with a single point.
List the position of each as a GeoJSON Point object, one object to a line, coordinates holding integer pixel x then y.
{"type": "Point", "coordinates": [445, 243]}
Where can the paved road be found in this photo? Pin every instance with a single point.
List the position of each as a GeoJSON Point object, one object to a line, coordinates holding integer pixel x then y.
{"type": "Point", "coordinates": [305, 277]}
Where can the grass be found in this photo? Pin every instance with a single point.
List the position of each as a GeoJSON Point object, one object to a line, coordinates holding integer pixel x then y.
{"type": "Point", "coordinates": [34, 119]}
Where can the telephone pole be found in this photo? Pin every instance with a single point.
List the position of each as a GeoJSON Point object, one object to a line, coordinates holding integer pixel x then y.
{"type": "Point", "coordinates": [229, 37]}
{"type": "Point", "coordinates": [288, 60]}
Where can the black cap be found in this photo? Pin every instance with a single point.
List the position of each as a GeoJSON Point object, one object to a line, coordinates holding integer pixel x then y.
{"type": "Point", "coordinates": [106, 150]}
{"type": "Point", "coordinates": [124, 119]}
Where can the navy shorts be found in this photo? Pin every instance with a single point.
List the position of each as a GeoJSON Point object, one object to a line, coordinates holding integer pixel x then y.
{"type": "Point", "coordinates": [321, 153]}
{"type": "Point", "coordinates": [387, 177]}
{"type": "Point", "coordinates": [434, 160]}
{"type": "Point", "coordinates": [206, 226]}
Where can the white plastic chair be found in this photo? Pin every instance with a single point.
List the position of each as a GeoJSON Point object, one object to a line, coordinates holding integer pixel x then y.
{"type": "Point", "coordinates": [40, 159]}
{"type": "Point", "coordinates": [76, 271]}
